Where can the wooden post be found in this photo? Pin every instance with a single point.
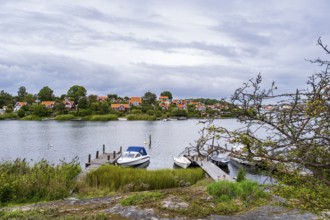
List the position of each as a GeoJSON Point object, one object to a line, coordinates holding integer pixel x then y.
{"type": "Point", "coordinates": [121, 150]}
{"type": "Point", "coordinates": [97, 154]}
{"type": "Point", "coordinates": [103, 148]}
{"type": "Point", "coordinates": [109, 157]}
{"type": "Point", "coordinates": [188, 152]}
{"type": "Point", "coordinates": [150, 141]}
{"type": "Point", "coordinates": [114, 154]}
{"type": "Point", "coordinates": [89, 158]}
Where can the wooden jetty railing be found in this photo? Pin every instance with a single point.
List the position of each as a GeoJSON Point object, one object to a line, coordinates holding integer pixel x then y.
{"type": "Point", "coordinates": [104, 158]}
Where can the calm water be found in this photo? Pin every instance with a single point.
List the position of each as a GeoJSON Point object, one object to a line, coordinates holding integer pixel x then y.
{"type": "Point", "coordinates": [55, 141]}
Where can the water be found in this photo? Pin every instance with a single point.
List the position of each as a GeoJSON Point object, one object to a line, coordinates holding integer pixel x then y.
{"type": "Point", "coordinates": [55, 141]}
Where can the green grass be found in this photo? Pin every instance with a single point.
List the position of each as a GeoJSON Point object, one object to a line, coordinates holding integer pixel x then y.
{"type": "Point", "coordinates": [108, 117]}
{"type": "Point", "coordinates": [31, 118]}
{"type": "Point", "coordinates": [8, 116]}
{"type": "Point", "coordinates": [64, 117]}
{"type": "Point", "coordinates": [110, 178]}
{"type": "Point", "coordinates": [22, 183]}
{"type": "Point", "coordinates": [144, 117]}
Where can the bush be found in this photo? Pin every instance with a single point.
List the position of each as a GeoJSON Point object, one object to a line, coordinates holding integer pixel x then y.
{"type": "Point", "coordinates": [241, 175]}
{"type": "Point", "coordinates": [8, 116]}
{"type": "Point", "coordinates": [64, 117]}
{"type": "Point", "coordinates": [108, 117]}
{"type": "Point", "coordinates": [21, 183]}
{"type": "Point", "coordinates": [84, 112]}
{"type": "Point", "coordinates": [31, 118]}
{"type": "Point", "coordinates": [225, 191]}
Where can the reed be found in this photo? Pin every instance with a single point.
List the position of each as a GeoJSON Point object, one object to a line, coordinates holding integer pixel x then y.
{"type": "Point", "coordinates": [144, 117]}
{"type": "Point", "coordinates": [31, 118]}
{"type": "Point", "coordinates": [108, 117]}
{"type": "Point", "coordinates": [115, 178]}
{"type": "Point", "coordinates": [21, 182]}
{"type": "Point", "coordinates": [64, 117]}
{"type": "Point", "coordinates": [226, 191]}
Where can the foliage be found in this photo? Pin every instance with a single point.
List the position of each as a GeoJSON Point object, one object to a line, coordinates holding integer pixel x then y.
{"type": "Point", "coordinates": [5, 98]}
{"type": "Point", "coordinates": [8, 116]}
{"type": "Point", "coordinates": [114, 178]}
{"type": "Point", "coordinates": [31, 118]}
{"type": "Point", "coordinates": [141, 198]}
{"type": "Point", "coordinates": [179, 113]}
{"type": "Point", "coordinates": [46, 94]}
{"type": "Point", "coordinates": [167, 93]}
{"type": "Point", "coordinates": [225, 191]}
{"type": "Point", "coordinates": [149, 98]}
{"type": "Point", "coordinates": [241, 175]}
{"type": "Point", "coordinates": [108, 117]}
{"type": "Point", "coordinates": [21, 113]}
{"type": "Point", "coordinates": [76, 92]}
{"type": "Point", "coordinates": [21, 183]}
{"type": "Point", "coordinates": [21, 93]}
{"type": "Point", "coordinates": [295, 130]}
{"type": "Point", "coordinates": [83, 103]}
{"type": "Point", "coordinates": [64, 117]}
{"type": "Point", "coordinates": [40, 110]}
{"type": "Point", "coordinates": [140, 117]}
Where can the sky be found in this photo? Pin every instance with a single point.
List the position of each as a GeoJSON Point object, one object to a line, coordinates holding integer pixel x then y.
{"type": "Point", "coordinates": [192, 48]}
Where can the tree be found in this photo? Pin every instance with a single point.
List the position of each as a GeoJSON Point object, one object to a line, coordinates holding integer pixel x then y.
{"type": "Point", "coordinates": [5, 98]}
{"type": "Point", "coordinates": [83, 103]}
{"type": "Point", "coordinates": [149, 98]}
{"type": "Point", "coordinates": [295, 135]}
{"type": "Point", "coordinates": [40, 110]}
{"type": "Point", "coordinates": [21, 93]}
{"type": "Point", "coordinates": [46, 94]}
{"type": "Point", "coordinates": [76, 92]}
{"type": "Point", "coordinates": [168, 94]}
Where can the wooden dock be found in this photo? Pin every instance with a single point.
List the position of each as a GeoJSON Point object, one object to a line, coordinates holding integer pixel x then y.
{"type": "Point", "coordinates": [215, 172]}
{"type": "Point", "coordinates": [104, 158]}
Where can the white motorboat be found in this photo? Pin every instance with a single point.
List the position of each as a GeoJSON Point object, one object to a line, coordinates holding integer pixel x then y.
{"type": "Point", "coordinates": [220, 159]}
{"type": "Point", "coordinates": [133, 156]}
{"type": "Point", "coordinates": [181, 161]}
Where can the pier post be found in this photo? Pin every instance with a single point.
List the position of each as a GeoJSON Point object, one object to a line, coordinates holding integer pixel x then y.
{"type": "Point", "coordinates": [109, 157]}
{"type": "Point", "coordinates": [97, 154]}
{"type": "Point", "coordinates": [89, 158]}
{"type": "Point", "coordinates": [121, 150]}
{"type": "Point", "coordinates": [114, 154]}
{"type": "Point", "coordinates": [150, 141]}
{"type": "Point", "coordinates": [103, 148]}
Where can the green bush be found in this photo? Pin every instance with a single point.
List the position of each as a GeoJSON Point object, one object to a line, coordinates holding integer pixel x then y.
{"type": "Point", "coordinates": [108, 117]}
{"type": "Point", "coordinates": [144, 117]}
{"type": "Point", "coordinates": [241, 175]}
{"type": "Point", "coordinates": [8, 116]}
{"type": "Point", "coordinates": [64, 117]}
{"type": "Point", "coordinates": [31, 118]}
{"type": "Point", "coordinates": [225, 191]}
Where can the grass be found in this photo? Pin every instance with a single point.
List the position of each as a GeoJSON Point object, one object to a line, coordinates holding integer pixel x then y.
{"type": "Point", "coordinates": [64, 117]}
{"type": "Point", "coordinates": [31, 118]}
{"type": "Point", "coordinates": [145, 117]}
{"type": "Point", "coordinates": [108, 117]}
{"type": "Point", "coordinates": [8, 116]}
{"type": "Point", "coordinates": [141, 198]}
{"type": "Point", "coordinates": [109, 178]}
{"type": "Point", "coordinates": [22, 183]}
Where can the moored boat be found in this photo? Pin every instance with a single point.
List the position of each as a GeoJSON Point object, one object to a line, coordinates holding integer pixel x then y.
{"type": "Point", "coordinates": [181, 161]}
{"type": "Point", "coordinates": [220, 159]}
{"type": "Point", "coordinates": [133, 156]}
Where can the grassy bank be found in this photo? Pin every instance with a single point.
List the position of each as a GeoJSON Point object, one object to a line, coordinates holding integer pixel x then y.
{"type": "Point", "coordinates": [21, 182]}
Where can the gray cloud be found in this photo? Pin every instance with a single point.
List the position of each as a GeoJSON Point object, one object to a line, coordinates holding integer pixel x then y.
{"type": "Point", "coordinates": [199, 48]}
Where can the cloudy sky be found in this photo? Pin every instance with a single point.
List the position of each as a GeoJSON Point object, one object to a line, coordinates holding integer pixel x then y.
{"type": "Point", "coordinates": [193, 48]}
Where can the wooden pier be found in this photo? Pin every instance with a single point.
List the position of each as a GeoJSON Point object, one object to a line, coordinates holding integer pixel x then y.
{"type": "Point", "coordinates": [103, 158]}
{"type": "Point", "coordinates": [212, 170]}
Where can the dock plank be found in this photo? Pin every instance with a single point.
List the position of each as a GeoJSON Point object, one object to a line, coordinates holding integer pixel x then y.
{"type": "Point", "coordinates": [215, 172]}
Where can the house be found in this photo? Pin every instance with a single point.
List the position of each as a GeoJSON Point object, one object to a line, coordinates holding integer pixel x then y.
{"type": "Point", "coordinates": [164, 99]}
{"type": "Point", "coordinates": [48, 104]}
{"type": "Point", "coordinates": [182, 106]}
{"type": "Point", "coordinates": [200, 107]}
{"type": "Point", "coordinates": [120, 107]}
{"type": "Point", "coordinates": [179, 101]}
{"type": "Point", "coordinates": [135, 101]}
{"type": "Point", "coordinates": [19, 105]}
{"type": "Point", "coordinates": [102, 98]}
{"type": "Point", "coordinates": [69, 104]}
{"type": "Point", "coordinates": [164, 106]}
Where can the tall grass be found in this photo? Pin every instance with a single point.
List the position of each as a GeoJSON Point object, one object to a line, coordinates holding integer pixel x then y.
{"type": "Point", "coordinates": [245, 190]}
{"type": "Point", "coordinates": [21, 183]}
{"type": "Point", "coordinates": [31, 118]}
{"type": "Point", "coordinates": [64, 117]}
{"type": "Point", "coordinates": [145, 117]}
{"type": "Point", "coordinates": [116, 178]}
{"type": "Point", "coordinates": [108, 117]}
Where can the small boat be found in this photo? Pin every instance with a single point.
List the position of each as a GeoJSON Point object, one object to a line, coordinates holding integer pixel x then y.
{"type": "Point", "coordinates": [133, 156]}
{"type": "Point", "coordinates": [181, 161]}
{"type": "Point", "coordinates": [220, 159]}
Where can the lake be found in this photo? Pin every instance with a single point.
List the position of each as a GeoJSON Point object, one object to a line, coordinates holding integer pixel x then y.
{"type": "Point", "coordinates": [56, 140]}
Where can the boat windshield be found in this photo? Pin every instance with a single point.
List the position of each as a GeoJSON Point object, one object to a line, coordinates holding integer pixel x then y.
{"type": "Point", "coordinates": [129, 155]}
{"type": "Point", "coordinates": [137, 155]}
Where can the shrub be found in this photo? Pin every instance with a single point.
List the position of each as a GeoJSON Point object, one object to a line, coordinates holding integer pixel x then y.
{"type": "Point", "coordinates": [64, 117]}
{"type": "Point", "coordinates": [31, 118]}
{"type": "Point", "coordinates": [144, 117]}
{"type": "Point", "coordinates": [108, 117]}
{"type": "Point", "coordinates": [241, 175]}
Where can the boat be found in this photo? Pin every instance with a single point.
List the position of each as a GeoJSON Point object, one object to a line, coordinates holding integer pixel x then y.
{"type": "Point", "coordinates": [182, 161]}
{"type": "Point", "coordinates": [134, 156]}
{"type": "Point", "coordinates": [220, 159]}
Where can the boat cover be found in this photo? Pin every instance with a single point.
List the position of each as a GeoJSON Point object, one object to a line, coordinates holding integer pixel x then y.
{"type": "Point", "coordinates": [139, 149]}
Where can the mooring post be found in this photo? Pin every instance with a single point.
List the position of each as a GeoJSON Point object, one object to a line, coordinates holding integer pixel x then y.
{"type": "Point", "coordinates": [150, 141]}
{"type": "Point", "coordinates": [89, 158]}
{"type": "Point", "coordinates": [114, 154]}
{"type": "Point", "coordinates": [121, 150]}
{"type": "Point", "coordinates": [103, 148]}
{"type": "Point", "coordinates": [97, 154]}
{"type": "Point", "coordinates": [109, 157]}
